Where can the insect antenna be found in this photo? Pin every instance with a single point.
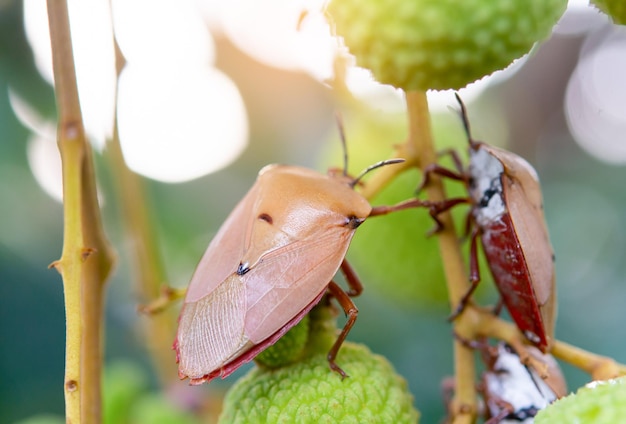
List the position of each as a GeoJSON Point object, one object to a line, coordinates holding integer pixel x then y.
{"type": "Point", "coordinates": [342, 136]}
{"type": "Point", "coordinates": [344, 145]}
{"type": "Point", "coordinates": [465, 119]}
{"type": "Point", "coordinates": [372, 167]}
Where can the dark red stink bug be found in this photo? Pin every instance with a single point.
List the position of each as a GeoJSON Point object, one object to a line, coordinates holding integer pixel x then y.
{"type": "Point", "coordinates": [271, 261]}
{"type": "Point", "coordinates": [507, 213]}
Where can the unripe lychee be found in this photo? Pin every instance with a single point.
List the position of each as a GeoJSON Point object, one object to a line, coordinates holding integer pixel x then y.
{"type": "Point", "coordinates": [616, 9]}
{"type": "Point", "coordinates": [440, 44]}
{"type": "Point", "coordinates": [601, 403]}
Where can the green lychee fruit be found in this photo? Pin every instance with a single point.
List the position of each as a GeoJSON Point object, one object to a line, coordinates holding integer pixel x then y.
{"type": "Point", "coordinates": [616, 9]}
{"type": "Point", "coordinates": [600, 403]}
{"type": "Point", "coordinates": [440, 44]}
{"type": "Point", "coordinates": [288, 348]}
{"type": "Point", "coordinates": [309, 392]}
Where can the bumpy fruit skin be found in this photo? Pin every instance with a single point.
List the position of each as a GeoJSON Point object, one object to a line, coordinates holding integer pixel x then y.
{"type": "Point", "coordinates": [288, 348]}
{"type": "Point", "coordinates": [309, 392]}
{"type": "Point", "coordinates": [440, 44]}
{"type": "Point", "coordinates": [616, 9]}
{"type": "Point", "coordinates": [603, 404]}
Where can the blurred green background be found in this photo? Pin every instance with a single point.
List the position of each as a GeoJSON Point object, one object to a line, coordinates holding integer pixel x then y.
{"type": "Point", "coordinates": [403, 309]}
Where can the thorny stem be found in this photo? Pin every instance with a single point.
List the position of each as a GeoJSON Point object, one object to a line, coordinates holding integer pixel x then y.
{"type": "Point", "coordinates": [149, 268]}
{"type": "Point", "coordinates": [87, 257]}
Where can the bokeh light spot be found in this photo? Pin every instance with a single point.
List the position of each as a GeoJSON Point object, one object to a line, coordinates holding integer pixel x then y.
{"type": "Point", "coordinates": [92, 40]}
{"type": "Point", "coordinates": [594, 101]}
{"type": "Point", "coordinates": [179, 124]}
{"type": "Point", "coordinates": [168, 32]}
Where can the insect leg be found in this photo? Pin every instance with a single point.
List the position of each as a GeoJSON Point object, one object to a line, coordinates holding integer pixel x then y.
{"type": "Point", "coordinates": [434, 208]}
{"type": "Point", "coordinates": [456, 159]}
{"type": "Point", "coordinates": [437, 208]}
{"type": "Point", "coordinates": [474, 277]}
{"type": "Point", "coordinates": [356, 288]}
{"type": "Point", "coordinates": [407, 204]}
{"type": "Point", "coordinates": [442, 172]}
{"type": "Point", "coordinates": [474, 271]}
{"type": "Point", "coordinates": [447, 389]}
{"type": "Point", "coordinates": [498, 307]}
{"type": "Point", "coordinates": [507, 409]}
{"type": "Point", "coordinates": [351, 311]}
{"type": "Point", "coordinates": [480, 344]}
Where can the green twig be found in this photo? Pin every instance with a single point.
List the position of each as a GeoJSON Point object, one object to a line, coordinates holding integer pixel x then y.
{"type": "Point", "coordinates": [87, 258]}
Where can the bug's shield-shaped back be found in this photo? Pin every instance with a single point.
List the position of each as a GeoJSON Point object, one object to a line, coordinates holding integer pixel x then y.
{"type": "Point", "coordinates": [269, 263]}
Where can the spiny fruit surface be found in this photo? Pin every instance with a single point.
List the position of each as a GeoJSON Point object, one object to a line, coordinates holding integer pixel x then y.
{"type": "Point", "coordinates": [309, 392]}
{"type": "Point", "coordinates": [288, 348]}
{"type": "Point", "coordinates": [616, 9]}
{"type": "Point", "coordinates": [604, 403]}
{"type": "Point", "coordinates": [440, 44]}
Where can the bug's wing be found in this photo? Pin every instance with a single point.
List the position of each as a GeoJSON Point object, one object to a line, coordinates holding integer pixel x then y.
{"type": "Point", "coordinates": [532, 233]}
{"type": "Point", "coordinates": [211, 323]}
{"type": "Point", "coordinates": [290, 278]}
{"type": "Point", "coordinates": [244, 311]}
{"type": "Point", "coordinates": [211, 330]}
{"type": "Point", "coordinates": [221, 258]}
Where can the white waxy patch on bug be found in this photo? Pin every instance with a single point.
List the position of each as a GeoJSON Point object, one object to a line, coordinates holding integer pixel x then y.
{"type": "Point", "coordinates": [517, 385]}
{"type": "Point", "coordinates": [532, 336]}
{"type": "Point", "coordinates": [486, 189]}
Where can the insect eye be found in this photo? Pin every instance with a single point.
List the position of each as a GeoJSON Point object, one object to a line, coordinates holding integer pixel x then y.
{"type": "Point", "coordinates": [353, 222]}
{"type": "Point", "coordinates": [265, 217]}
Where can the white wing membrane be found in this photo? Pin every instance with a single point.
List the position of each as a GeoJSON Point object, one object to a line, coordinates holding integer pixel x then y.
{"type": "Point", "coordinates": [201, 348]}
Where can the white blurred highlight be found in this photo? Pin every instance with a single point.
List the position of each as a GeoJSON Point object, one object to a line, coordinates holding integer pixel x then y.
{"type": "Point", "coordinates": [164, 32]}
{"type": "Point", "coordinates": [179, 117]}
{"type": "Point", "coordinates": [288, 34]}
{"type": "Point", "coordinates": [92, 40]}
{"type": "Point", "coordinates": [363, 86]}
{"type": "Point", "coordinates": [45, 163]}
{"type": "Point", "coordinates": [179, 124]}
{"type": "Point", "coordinates": [594, 101]}
{"type": "Point", "coordinates": [42, 152]}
